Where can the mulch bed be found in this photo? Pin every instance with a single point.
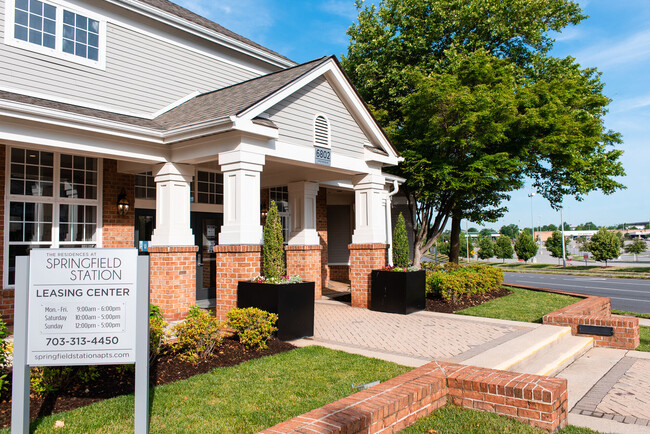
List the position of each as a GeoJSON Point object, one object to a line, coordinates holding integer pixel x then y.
{"type": "Point", "coordinates": [437, 304]}
{"type": "Point", "coordinates": [113, 381]}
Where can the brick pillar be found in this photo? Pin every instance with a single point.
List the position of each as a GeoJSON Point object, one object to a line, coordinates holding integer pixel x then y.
{"type": "Point", "coordinates": [117, 230]}
{"type": "Point", "coordinates": [173, 279]}
{"type": "Point", "coordinates": [363, 259]}
{"type": "Point", "coordinates": [321, 227]}
{"type": "Point", "coordinates": [234, 263]}
{"type": "Point", "coordinates": [306, 262]}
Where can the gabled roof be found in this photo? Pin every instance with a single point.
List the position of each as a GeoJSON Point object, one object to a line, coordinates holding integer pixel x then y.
{"type": "Point", "coordinates": [181, 12]}
{"type": "Point", "coordinates": [232, 100]}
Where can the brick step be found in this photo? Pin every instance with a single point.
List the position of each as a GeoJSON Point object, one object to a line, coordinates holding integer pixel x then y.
{"type": "Point", "coordinates": [542, 351]}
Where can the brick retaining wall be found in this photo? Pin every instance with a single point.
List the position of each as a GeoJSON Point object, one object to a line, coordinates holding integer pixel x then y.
{"type": "Point", "coordinates": [399, 402]}
{"type": "Point", "coordinates": [596, 311]}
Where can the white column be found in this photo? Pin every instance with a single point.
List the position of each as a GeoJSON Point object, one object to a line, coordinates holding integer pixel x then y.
{"type": "Point", "coordinates": [302, 207]}
{"type": "Point", "coordinates": [241, 197]}
{"type": "Point", "coordinates": [173, 205]}
{"type": "Point", "coordinates": [370, 210]}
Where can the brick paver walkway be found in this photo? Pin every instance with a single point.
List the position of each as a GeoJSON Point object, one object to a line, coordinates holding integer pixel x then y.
{"type": "Point", "coordinates": [423, 335]}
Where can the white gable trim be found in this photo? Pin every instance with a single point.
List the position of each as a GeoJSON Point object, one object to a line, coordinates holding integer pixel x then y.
{"type": "Point", "coordinates": [344, 90]}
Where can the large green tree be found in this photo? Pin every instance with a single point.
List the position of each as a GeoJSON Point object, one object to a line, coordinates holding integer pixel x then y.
{"type": "Point", "coordinates": [525, 247]}
{"type": "Point", "coordinates": [637, 247]}
{"type": "Point", "coordinates": [554, 244]}
{"type": "Point", "coordinates": [604, 245]}
{"type": "Point", "coordinates": [503, 248]}
{"type": "Point", "coordinates": [472, 99]}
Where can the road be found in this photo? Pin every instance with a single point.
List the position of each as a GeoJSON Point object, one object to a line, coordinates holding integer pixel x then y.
{"type": "Point", "coordinates": [626, 294]}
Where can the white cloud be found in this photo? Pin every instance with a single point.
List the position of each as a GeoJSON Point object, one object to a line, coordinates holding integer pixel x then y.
{"type": "Point", "coordinates": [635, 48]}
{"type": "Point", "coordinates": [344, 8]}
{"type": "Point", "coordinates": [567, 34]}
{"type": "Point", "coordinates": [628, 104]}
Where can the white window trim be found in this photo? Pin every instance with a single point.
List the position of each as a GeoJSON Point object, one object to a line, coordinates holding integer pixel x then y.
{"type": "Point", "coordinates": [9, 39]}
{"type": "Point", "coordinates": [329, 131]}
{"type": "Point", "coordinates": [54, 200]}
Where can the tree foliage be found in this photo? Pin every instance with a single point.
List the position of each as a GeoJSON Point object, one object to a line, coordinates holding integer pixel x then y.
{"type": "Point", "coordinates": [554, 244]}
{"type": "Point", "coordinates": [636, 247]}
{"type": "Point", "coordinates": [273, 248]}
{"type": "Point", "coordinates": [503, 248]}
{"type": "Point", "coordinates": [511, 231]}
{"type": "Point", "coordinates": [473, 101]}
{"type": "Point", "coordinates": [525, 247]}
{"type": "Point", "coordinates": [400, 244]}
{"type": "Point", "coordinates": [604, 245]}
{"type": "Point", "coordinates": [485, 248]}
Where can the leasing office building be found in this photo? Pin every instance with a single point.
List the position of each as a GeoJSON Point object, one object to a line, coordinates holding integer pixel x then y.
{"type": "Point", "coordinates": [138, 123]}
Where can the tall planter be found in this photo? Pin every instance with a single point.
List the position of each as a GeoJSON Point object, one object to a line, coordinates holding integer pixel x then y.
{"type": "Point", "coordinates": [397, 292]}
{"type": "Point", "coordinates": [293, 302]}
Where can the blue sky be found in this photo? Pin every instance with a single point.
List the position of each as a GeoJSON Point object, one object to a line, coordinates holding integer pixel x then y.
{"type": "Point", "coordinates": [615, 39]}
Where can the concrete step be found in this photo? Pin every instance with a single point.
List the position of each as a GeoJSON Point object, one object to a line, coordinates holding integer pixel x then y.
{"type": "Point", "coordinates": [542, 351]}
{"type": "Point", "coordinates": [556, 356]}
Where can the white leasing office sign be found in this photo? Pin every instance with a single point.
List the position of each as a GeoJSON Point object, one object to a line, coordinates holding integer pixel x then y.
{"type": "Point", "coordinates": [82, 306]}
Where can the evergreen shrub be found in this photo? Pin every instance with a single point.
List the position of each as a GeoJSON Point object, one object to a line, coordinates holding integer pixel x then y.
{"type": "Point", "coordinates": [253, 326]}
{"type": "Point", "coordinates": [452, 282]}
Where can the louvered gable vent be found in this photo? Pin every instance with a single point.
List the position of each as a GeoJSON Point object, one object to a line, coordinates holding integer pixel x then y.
{"type": "Point", "coordinates": [321, 131]}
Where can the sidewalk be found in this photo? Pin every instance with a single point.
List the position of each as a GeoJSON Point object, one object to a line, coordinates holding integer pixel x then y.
{"type": "Point", "coordinates": [609, 390]}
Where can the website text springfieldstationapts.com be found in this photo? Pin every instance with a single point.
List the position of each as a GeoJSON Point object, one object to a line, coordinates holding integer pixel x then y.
{"type": "Point", "coordinates": [110, 355]}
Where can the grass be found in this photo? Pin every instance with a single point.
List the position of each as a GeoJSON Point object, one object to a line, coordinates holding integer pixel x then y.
{"type": "Point", "coordinates": [628, 313]}
{"type": "Point", "coordinates": [522, 305]}
{"type": "Point", "coordinates": [593, 270]}
{"type": "Point", "coordinates": [452, 419]}
{"type": "Point", "coordinates": [244, 398]}
{"type": "Point", "coordinates": [644, 333]}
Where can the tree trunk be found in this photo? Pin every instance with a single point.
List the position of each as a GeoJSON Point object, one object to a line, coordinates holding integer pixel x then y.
{"type": "Point", "coordinates": [454, 240]}
{"type": "Point", "coordinates": [417, 257]}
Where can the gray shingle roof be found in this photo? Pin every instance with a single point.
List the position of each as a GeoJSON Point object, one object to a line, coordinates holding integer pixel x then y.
{"type": "Point", "coordinates": [234, 99]}
{"type": "Point", "coordinates": [188, 15]}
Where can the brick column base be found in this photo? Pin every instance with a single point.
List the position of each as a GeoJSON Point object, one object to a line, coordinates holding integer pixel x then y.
{"type": "Point", "coordinates": [172, 275]}
{"type": "Point", "coordinates": [234, 263]}
{"type": "Point", "coordinates": [305, 261]}
{"type": "Point", "coordinates": [363, 259]}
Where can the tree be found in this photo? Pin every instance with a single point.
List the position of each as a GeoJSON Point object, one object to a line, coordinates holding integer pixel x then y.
{"type": "Point", "coordinates": [604, 245]}
{"type": "Point", "coordinates": [554, 244]}
{"type": "Point", "coordinates": [567, 227]}
{"type": "Point", "coordinates": [511, 231]}
{"type": "Point", "coordinates": [486, 232]}
{"type": "Point", "coordinates": [472, 230]}
{"type": "Point", "coordinates": [485, 248]}
{"type": "Point", "coordinates": [589, 226]}
{"type": "Point", "coordinates": [273, 248]}
{"type": "Point", "coordinates": [525, 247]}
{"type": "Point", "coordinates": [503, 248]}
{"type": "Point", "coordinates": [400, 244]}
{"type": "Point", "coordinates": [474, 103]}
{"type": "Point", "coordinates": [638, 246]}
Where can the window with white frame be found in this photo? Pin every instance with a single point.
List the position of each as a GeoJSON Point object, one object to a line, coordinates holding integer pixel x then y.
{"type": "Point", "coordinates": [209, 187]}
{"type": "Point", "coordinates": [56, 28]}
{"type": "Point", "coordinates": [280, 195]}
{"type": "Point", "coordinates": [41, 216]}
{"type": "Point", "coordinates": [145, 186]}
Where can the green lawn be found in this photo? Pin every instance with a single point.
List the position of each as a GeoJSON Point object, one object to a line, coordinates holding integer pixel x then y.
{"type": "Point", "coordinates": [596, 270]}
{"type": "Point", "coordinates": [452, 419]}
{"type": "Point", "coordinates": [645, 339]}
{"type": "Point", "coordinates": [522, 305]}
{"type": "Point", "coordinates": [241, 399]}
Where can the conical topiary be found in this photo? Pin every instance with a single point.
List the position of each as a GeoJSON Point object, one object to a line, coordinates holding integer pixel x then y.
{"type": "Point", "coordinates": [273, 249]}
{"type": "Point", "coordinates": [400, 244]}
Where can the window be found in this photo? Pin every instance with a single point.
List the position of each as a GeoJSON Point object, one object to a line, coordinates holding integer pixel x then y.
{"type": "Point", "coordinates": [280, 195]}
{"type": "Point", "coordinates": [41, 216]}
{"type": "Point", "coordinates": [321, 131]}
{"type": "Point", "coordinates": [209, 187]}
{"type": "Point", "coordinates": [145, 186]}
{"type": "Point", "coordinates": [57, 30]}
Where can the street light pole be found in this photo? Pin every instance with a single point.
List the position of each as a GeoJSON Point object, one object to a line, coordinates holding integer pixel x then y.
{"type": "Point", "coordinates": [563, 247]}
{"type": "Point", "coordinates": [467, 239]}
{"type": "Point", "coordinates": [532, 220]}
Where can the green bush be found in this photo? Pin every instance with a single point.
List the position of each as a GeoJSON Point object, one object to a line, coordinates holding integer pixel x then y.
{"type": "Point", "coordinates": [49, 379]}
{"type": "Point", "coordinates": [273, 248]}
{"type": "Point", "coordinates": [253, 326]}
{"type": "Point", "coordinates": [5, 350]}
{"type": "Point", "coordinates": [198, 335]}
{"type": "Point", "coordinates": [452, 283]}
{"type": "Point", "coordinates": [400, 244]}
{"type": "Point", "coordinates": [157, 331]}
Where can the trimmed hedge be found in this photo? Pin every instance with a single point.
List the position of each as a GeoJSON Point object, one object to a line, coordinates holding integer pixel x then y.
{"type": "Point", "coordinates": [452, 282]}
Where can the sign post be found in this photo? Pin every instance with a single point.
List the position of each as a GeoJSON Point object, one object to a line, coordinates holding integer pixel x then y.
{"type": "Point", "coordinates": [81, 307]}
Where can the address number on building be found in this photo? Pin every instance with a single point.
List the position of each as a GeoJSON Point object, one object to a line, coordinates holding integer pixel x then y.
{"type": "Point", "coordinates": [323, 156]}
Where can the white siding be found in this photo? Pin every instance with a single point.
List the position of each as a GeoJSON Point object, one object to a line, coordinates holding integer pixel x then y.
{"type": "Point", "coordinates": [295, 118]}
{"type": "Point", "coordinates": [143, 74]}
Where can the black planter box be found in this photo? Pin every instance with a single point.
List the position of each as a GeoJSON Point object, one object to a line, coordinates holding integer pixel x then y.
{"type": "Point", "coordinates": [397, 292]}
{"type": "Point", "coordinates": [293, 302]}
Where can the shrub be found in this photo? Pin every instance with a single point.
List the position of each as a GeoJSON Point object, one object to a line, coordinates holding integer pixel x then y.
{"type": "Point", "coordinates": [5, 350]}
{"type": "Point", "coordinates": [452, 283]}
{"type": "Point", "coordinates": [253, 326]}
{"type": "Point", "coordinates": [400, 244]}
{"type": "Point", "coordinates": [198, 335]}
{"type": "Point", "coordinates": [157, 331]}
{"type": "Point", "coordinates": [49, 379]}
{"type": "Point", "coordinates": [525, 247]}
{"type": "Point", "coordinates": [273, 248]}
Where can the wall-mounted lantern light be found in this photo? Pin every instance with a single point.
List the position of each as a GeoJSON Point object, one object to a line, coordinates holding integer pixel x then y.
{"type": "Point", "coordinates": [122, 203]}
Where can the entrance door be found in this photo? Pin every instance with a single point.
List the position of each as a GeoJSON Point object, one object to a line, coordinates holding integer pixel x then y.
{"type": "Point", "coordinates": [145, 222]}
{"type": "Point", "coordinates": [206, 228]}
